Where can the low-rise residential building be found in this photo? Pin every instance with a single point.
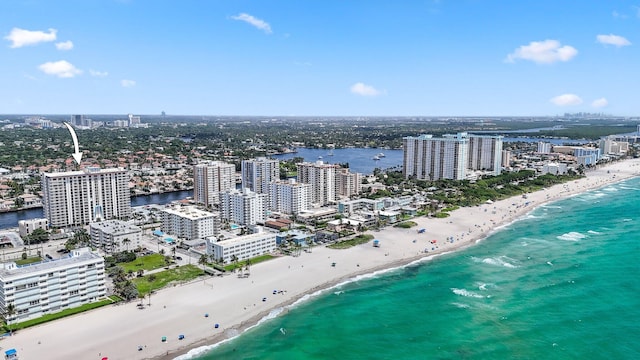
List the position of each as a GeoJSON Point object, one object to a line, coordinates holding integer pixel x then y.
{"type": "Point", "coordinates": [26, 227]}
{"type": "Point", "coordinates": [554, 168]}
{"type": "Point", "coordinates": [296, 236]}
{"type": "Point", "coordinates": [316, 215]}
{"type": "Point", "coordinates": [190, 223]}
{"type": "Point", "coordinates": [243, 247]}
{"type": "Point", "coordinates": [51, 286]}
{"type": "Point", "coordinates": [115, 235]}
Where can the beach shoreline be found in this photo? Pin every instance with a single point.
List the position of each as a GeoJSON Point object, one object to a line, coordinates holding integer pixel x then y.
{"type": "Point", "coordinates": [237, 303]}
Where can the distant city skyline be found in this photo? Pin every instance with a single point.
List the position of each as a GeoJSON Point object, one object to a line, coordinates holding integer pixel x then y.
{"type": "Point", "coordinates": [320, 58]}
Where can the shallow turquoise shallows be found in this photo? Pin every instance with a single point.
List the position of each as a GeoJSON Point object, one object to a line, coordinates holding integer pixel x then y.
{"type": "Point", "coordinates": [562, 283]}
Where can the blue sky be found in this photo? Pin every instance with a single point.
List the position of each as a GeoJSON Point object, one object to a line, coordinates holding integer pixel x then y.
{"type": "Point", "coordinates": [320, 58]}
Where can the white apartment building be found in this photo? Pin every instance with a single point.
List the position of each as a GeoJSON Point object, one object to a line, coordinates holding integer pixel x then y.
{"type": "Point", "coordinates": [429, 158]}
{"type": "Point", "coordinates": [243, 247]}
{"type": "Point", "coordinates": [210, 179]}
{"type": "Point", "coordinates": [348, 183]}
{"type": "Point", "coordinates": [115, 236]}
{"type": "Point", "coordinates": [51, 286]}
{"type": "Point", "coordinates": [485, 153]}
{"type": "Point", "coordinates": [506, 158]}
{"type": "Point", "coordinates": [554, 168]}
{"type": "Point", "coordinates": [77, 198]}
{"type": "Point", "coordinates": [290, 197]}
{"type": "Point", "coordinates": [244, 207]}
{"type": "Point", "coordinates": [190, 223]}
{"type": "Point", "coordinates": [26, 227]}
{"type": "Point", "coordinates": [258, 173]}
{"type": "Point", "coordinates": [544, 147]}
{"type": "Point", "coordinates": [322, 178]}
{"type": "Point", "coordinates": [608, 145]}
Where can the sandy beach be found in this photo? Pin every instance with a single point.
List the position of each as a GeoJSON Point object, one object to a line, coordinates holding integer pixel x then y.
{"type": "Point", "coordinates": [236, 303]}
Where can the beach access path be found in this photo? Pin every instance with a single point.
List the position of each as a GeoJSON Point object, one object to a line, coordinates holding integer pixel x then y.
{"type": "Point", "coordinates": [235, 303]}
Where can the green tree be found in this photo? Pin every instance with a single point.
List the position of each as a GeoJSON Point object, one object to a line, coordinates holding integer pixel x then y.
{"type": "Point", "coordinates": [81, 237]}
{"type": "Point", "coordinates": [126, 242]}
{"type": "Point", "coordinates": [203, 261]}
{"type": "Point", "coordinates": [9, 312]}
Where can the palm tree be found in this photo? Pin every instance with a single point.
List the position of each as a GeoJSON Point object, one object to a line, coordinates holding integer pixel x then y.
{"type": "Point", "coordinates": [126, 242]}
{"type": "Point", "coordinates": [82, 237]}
{"type": "Point", "coordinates": [203, 261]}
{"type": "Point", "coordinates": [9, 312]}
{"type": "Point", "coordinates": [173, 252]}
{"type": "Point", "coordinates": [247, 263]}
{"type": "Point", "coordinates": [234, 260]}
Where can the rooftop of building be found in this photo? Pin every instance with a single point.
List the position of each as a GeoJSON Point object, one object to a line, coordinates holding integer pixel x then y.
{"type": "Point", "coordinates": [115, 227]}
{"type": "Point", "coordinates": [189, 212]}
{"type": "Point", "coordinates": [86, 171]}
{"type": "Point", "coordinates": [245, 238]}
{"type": "Point", "coordinates": [10, 269]}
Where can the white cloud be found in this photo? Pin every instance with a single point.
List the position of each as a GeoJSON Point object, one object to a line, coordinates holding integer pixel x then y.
{"type": "Point", "coordinates": [97, 73]}
{"type": "Point", "coordinates": [62, 68]}
{"type": "Point", "coordinates": [566, 100]}
{"type": "Point", "coordinates": [600, 103]}
{"type": "Point", "coordinates": [611, 39]}
{"type": "Point", "coordinates": [127, 83]}
{"type": "Point", "coordinates": [364, 90]}
{"type": "Point", "coordinates": [21, 37]}
{"type": "Point", "coordinates": [65, 45]}
{"type": "Point", "coordinates": [249, 19]}
{"type": "Point", "coordinates": [617, 15]}
{"type": "Point", "coordinates": [543, 52]}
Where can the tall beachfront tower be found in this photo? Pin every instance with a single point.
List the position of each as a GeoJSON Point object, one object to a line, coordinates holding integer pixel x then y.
{"type": "Point", "coordinates": [290, 197]}
{"type": "Point", "coordinates": [429, 158]}
{"type": "Point", "coordinates": [211, 178]}
{"type": "Point", "coordinates": [244, 207]}
{"type": "Point", "coordinates": [77, 198]}
{"type": "Point", "coordinates": [322, 178]}
{"type": "Point", "coordinates": [348, 183]}
{"type": "Point", "coordinates": [258, 173]}
{"type": "Point", "coordinates": [485, 153]}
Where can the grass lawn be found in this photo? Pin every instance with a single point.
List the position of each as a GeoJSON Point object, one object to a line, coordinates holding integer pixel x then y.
{"type": "Point", "coordinates": [148, 262]}
{"type": "Point", "coordinates": [64, 313]}
{"type": "Point", "coordinates": [30, 260]}
{"type": "Point", "coordinates": [360, 239]}
{"type": "Point", "coordinates": [406, 224]}
{"type": "Point", "coordinates": [163, 278]}
{"type": "Point", "coordinates": [255, 260]}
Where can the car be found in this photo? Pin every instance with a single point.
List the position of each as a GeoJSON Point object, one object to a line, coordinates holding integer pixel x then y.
{"type": "Point", "coordinates": [178, 257]}
{"type": "Point", "coordinates": [48, 256]}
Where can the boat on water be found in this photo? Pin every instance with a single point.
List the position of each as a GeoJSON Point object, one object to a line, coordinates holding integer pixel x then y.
{"type": "Point", "coordinates": [320, 157]}
{"type": "Point", "coordinates": [381, 155]}
{"type": "Point", "coordinates": [376, 157]}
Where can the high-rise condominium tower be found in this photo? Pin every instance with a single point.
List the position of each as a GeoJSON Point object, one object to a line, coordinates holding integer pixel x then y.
{"type": "Point", "coordinates": [258, 173]}
{"type": "Point", "coordinates": [209, 179]}
{"type": "Point", "coordinates": [77, 198]}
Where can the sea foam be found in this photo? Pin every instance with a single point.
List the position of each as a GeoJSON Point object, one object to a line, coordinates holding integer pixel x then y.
{"type": "Point", "coordinates": [466, 293]}
{"type": "Point", "coordinates": [503, 261]}
{"type": "Point", "coordinates": [571, 236]}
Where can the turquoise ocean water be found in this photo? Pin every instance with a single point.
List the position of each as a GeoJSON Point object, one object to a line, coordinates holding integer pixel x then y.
{"type": "Point", "coordinates": [562, 283]}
